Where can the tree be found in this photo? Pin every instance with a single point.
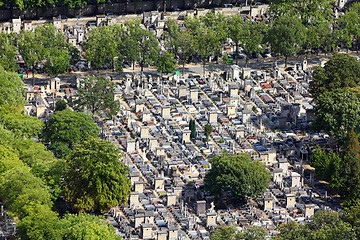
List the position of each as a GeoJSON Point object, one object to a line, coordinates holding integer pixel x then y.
{"type": "Point", "coordinates": [337, 113]}
{"type": "Point", "coordinates": [236, 31]}
{"type": "Point", "coordinates": [42, 162]}
{"type": "Point", "coordinates": [30, 50]}
{"type": "Point", "coordinates": [86, 226]}
{"type": "Point", "coordinates": [287, 35]}
{"type": "Point", "coordinates": [325, 225]}
{"type": "Point", "coordinates": [148, 48]}
{"type": "Point", "coordinates": [237, 174]}
{"type": "Point", "coordinates": [166, 63]}
{"type": "Point", "coordinates": [349, 25]}
{"type": "Point", "coordinates": [8, 159]}
{"type": "Point", "coordinates": [181, 43]}
{"type": "Point", "coordinates": [186, 47]}
{"type": "Point", "coordinates": [254, 233]}
{"type": "Point", "coordinates": [341, 71]}
{"type": "Point", "coordinates": [7, 52]}
{"type": "Point", "coordinates": [67, 128]}
{"type": "Point", "coordinates": [325, 164]}
{"type": "Point", "coordinates": [54, 48]}
{"type": "Point", "coordinates": [74, 54]}
{"type": "Point", "coordinates": [192, 128]}
{"type": "Point", "coordinates": [21, 189]}
{"type": "Point", "coordinates": [11, 90]}
{"type": "Point", "coordinates": [40, 223]}
{"type": "Point", "coordinates": [97, 95]}
{"type": "Point", "coordinates": [144, 44]}
{"type": "Point", "coordinates": [60, 105]}
{"type": "Point", "coordinates": [23, 125]}
{"type": "Point", "coordinates": [208, 129]}
{"type": "Point", "coordinates": [292, 230]}
{"type": "Point", "coordinates": [230, 233]}
{"type": "Point", "coordinates": [207, 44]}
{"type": "Point", "coordinates": [321, 35]}
{"type": "Point", "coordinates": [350, 168]}
{"type": "Point", "coordinates": [224, 233]}
{"type": "Point", "coordinates": [253, 36]}
{"type": "Point", "coordinates": [101, 47]}
{"type": "Point", "coordinates": [95, 178]}
{"type": "Point", "coordinates": [311, 12]}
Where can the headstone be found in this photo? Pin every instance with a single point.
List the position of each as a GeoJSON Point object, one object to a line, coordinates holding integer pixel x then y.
{"type": "Point", "coordinates": [165, 112]}
{"type": "Point", "coordinates": [309, 210]}
{"type": "Point", "coordinates": [182, 91]}
{"type": "Point", "coordinates": [139, 186]}
{"type": "Point", "coordinates": [159, 183]}
{"type": "Point", "coordinates": [153, 144]}
{"type": "Point", "coordinates": [211, 220]}
{"type": "Point", "coordinates": [130, 146]}
{"type": "Point", "coordinates": [290, 200]}
{"type": "Point", "coordinates": [194, 94]}
{"type": "Point", "coordinates": [268, 204]}
{"type": "Point", "coordinates": [146, 230]}
{"type": "Point", "coordinates": [173, 232]}
{"type": "Point", "coordinates": [171, 199]}
{"type": "Point", "coordinates": [212, 117]}
{"type": "Point", "coordinates": [186, 136]}
{"type": "Point", "coordinates": [201, 208]}
{"type": "Point", "coordinates": [295, 179]}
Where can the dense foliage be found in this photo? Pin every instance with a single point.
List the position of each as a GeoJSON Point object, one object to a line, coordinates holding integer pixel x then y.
{"type": "Point", "coordinates": [67, 128]}
{"type": "Point", "coordinates": [97, 95]}
{"type": "Point", "coordinates": [238, 174]}
{"type": "Point", "coordinates": [95, 178]}
{"type": "Point", "coordinates": [340, 72]}
{"type": "Point", "coordinates": [31, 178]}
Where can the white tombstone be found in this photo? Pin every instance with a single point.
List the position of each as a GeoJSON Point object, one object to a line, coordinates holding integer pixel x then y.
{"type": "Point", "coordinates": [165, 112]}
{"type": "Point", "coordinates": [171, 199]}
{"type": "Point", "coordinates": [211, 220]}
{"type": "Point", "coordinates": [212, 117]}
{"type": "Point", "coordinates": [268, 204]}
{"type": "Point", "coordinates": [290, 200]}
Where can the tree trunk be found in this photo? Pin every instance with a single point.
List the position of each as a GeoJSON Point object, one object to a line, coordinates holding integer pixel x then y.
{"type": "Point", "coordinates": [236, 52]}
{"type": "Point", "coordinates": [183, 68]}
{"type": "Point", "coordinates": [204, 67]}
{"type": "Point", "coordinates": [246, 61]}
{"type": "Point", "coordinates": [164, 5]}
{"type": "Point", "coordinates": [286, 58]}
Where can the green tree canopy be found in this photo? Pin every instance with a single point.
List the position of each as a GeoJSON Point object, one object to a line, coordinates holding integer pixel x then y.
{"type": "Point", "coordinates": [166, 63]}
{"type": "Point", "coordinates": [42, 162]}
{"type": "Point", "coordinates": [8, 51]}
{"type": "Point", "coordinates": [337, 113]}
{"type": "Point", "coordinates": [287, 36]}
{"type": "Point", "coordinates": [95, 177]}
{"type": "Point", "coordinates": [67, 128]}
{"type": "Point", "coordinates": [230, 233]}
{"type": "Point", "coordinates": [8, 158]}
{"type": "Point", "coordinates": [207, 130]}
{"type": "Point", "coordinates": [325, 225]}
{"type": "Point", "coordinates": [341, 71]}
{"type": "Point", "coordinates": [238, 174]}
{"type": "Point", "coordinates": [97, 95]}
{"type": "Point", "coordinates": [101, 47]}
{"type": "Point", "coordinates": [327, 165]}
{"type": "Point", "coordinates": [311, 12]}
{"type": "Point", "coordinates": [60, 105]}
{"type": "Point", "coordinates": [85, 226]}
{"type": "Point", "coordinates": [22, 125]}
{"type": "Point", "coordinates": [11, 89]}
{"type": "Point", "coordinates": [20, 187]}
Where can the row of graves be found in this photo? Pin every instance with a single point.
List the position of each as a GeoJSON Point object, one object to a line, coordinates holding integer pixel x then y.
{"type": "Point", "coordinates": [263, 113]}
